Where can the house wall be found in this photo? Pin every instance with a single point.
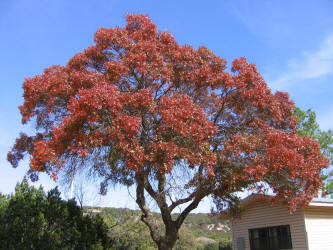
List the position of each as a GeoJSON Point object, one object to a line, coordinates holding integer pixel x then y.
{"type": "Point", "coordinates": [319, 227]}
{"type": "Point", "coordinates": [263, 214]}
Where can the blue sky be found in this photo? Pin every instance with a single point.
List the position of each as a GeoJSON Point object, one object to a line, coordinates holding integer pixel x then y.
{"type": "Point", "coordinates": [290, 41]}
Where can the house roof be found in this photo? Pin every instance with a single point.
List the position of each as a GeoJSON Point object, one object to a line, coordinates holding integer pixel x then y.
{"type": "Point", "coordinates": [249, 200]}
{"type": "Point", "coordinates": [321, 202]}
{"type": "Point", "coordinates": [254, 198]}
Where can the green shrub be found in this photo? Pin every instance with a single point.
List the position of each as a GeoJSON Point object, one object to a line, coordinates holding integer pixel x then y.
{"type": "Point", "coordinates": [32, 219]}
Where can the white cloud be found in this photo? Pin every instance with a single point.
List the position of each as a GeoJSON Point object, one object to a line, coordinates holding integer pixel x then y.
{"type": "Point", "coordinates": [312, 65]}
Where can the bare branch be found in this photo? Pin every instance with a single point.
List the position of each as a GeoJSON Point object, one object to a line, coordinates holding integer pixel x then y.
{"type": "Point", "coordinates": [180, 201]}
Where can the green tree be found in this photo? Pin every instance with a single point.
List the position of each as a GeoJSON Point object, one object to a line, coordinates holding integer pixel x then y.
{"type": "Point", "coordinates": [32, 219]}
{"type": "Point", "coordinates": [328, 179]}
{"type": "Point", "coordinates": [308, 126]}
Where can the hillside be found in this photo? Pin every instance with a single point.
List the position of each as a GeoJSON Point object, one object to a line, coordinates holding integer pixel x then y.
{"type": "Point", "coordinates": [197, 231]}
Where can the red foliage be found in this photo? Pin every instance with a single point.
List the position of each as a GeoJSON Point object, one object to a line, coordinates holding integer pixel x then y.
{"type": "Point", "coordinates": [157, 103]}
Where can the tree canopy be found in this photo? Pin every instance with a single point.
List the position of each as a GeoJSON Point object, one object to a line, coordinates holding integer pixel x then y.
{"type": "Point", "coordinates": [137, 108]}
{"type": "Point", "coordinates": [32, 219]}
{"type": "Point", "coordinates": [308, 126]}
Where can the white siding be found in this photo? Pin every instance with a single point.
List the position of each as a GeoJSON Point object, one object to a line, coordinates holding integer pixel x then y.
{"type": "Point", "coordinates": [319, 227]}
{"type": "Point", "coordinates": [263, 214]}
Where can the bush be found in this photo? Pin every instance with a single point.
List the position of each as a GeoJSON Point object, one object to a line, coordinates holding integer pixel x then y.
{"type": "Point", "coordinates": [32, 219]}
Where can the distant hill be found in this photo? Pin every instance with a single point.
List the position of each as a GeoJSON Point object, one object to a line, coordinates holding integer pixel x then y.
{"type": "Point", "coordinates": [207, 222]}
{"type": "Point", "coordinates": [201, 227]}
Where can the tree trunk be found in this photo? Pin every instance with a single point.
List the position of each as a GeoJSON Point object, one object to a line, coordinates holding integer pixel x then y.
{"type": "Point", "coordinates": [168, 241]}
{"type": "Point", "coordinates": [164, 246]}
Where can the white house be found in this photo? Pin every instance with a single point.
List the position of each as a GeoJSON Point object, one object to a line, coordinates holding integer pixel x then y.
{"type": "Point", "coordinates": [267, 226]}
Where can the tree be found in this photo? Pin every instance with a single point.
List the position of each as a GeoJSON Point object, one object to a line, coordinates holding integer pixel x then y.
{"type": "Point", "coordinates": [32, 219]}
{"type": "Point", "coordinates": [308, 126]}
{"type": "Point", "coordinates": [137, 108]}
{"type": "Point", "coordinates": [328, 180]}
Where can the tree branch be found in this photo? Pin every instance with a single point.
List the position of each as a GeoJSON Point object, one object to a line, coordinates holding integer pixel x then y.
{"type": "Point", "coordinates": [179, 202]}
{"type": "Point", "coordinates": [159, 197]}
{"type": "Point", "coordinates": [147, 216]}
{"type": "Point", "coordinates": [194, 204]}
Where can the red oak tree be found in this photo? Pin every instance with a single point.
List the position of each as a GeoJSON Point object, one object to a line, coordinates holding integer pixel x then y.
{"type": "Point", "coordinates": [139, 109]}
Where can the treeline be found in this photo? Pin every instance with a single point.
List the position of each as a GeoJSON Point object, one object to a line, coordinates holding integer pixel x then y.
{"type": "Point", "coordinates": [33, 219]}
